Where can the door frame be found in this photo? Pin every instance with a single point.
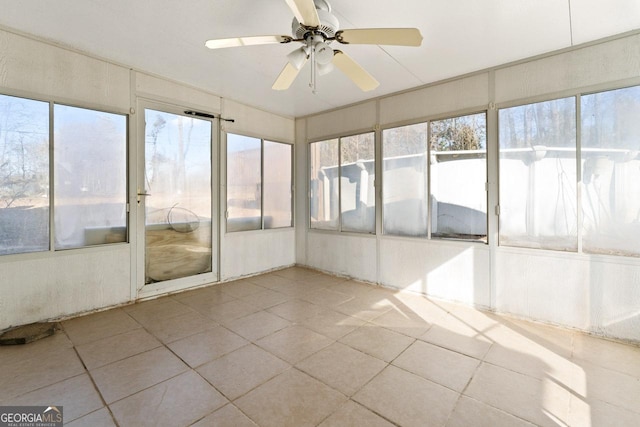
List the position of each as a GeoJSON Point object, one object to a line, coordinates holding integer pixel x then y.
{"type": "Point", "coordinates": [137, 176]}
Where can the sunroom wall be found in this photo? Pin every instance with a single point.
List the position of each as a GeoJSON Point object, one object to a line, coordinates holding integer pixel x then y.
{"type": "Point", "coordinates": [595, 293]}
{"type": "Point", "coordinates": [48, 285]}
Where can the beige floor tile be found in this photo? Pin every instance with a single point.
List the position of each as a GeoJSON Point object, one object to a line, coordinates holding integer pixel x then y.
{"type": "Point", "coordinates": [445, 367]}
{"type": "Point", "coordinates": [76, 395]}
{"type": "Point", "coordinates": [296, 310]}
{"type": "Point", "coordinates": [228, 416]}
{"type": "Point", "coordinates": [326, 297]}
{"type": "Point", "coordinates": [430, 310]}
{"type": "Point", "coordinates": [612, 387]}
{"type": "Point", "coordinates": [93, 327]}
{"type": "Point", "coordinates": [298, 273]}
{"type": "Point", "coordinates": [257, 325]}
{"type": "Point", "coordinates": [240, 288]}
{"type": "Point", "coordinates": [148, 312]}
{"type": "Point", "coordinates": [470, 412]}
{"type": "Point", "coordinates": [541, 402]}
{"type": "Point", "coordinates": [407, 399]}
{"type": "Point", "coordinates": [351, 287]}
{"type": "Point", "coordinates": [270, 281]}
{"type": "Point", "coordinates": [521, 354]}
{"type": "Point", "coordinates": [11, 354]}
{"type": "Point", "coordinates": [227, 310]}
{"type": "Point", "coordinates": [242, 370]}
{"type": "Point", "coordinates": [118, 347]}
{"type": "Point", "coordinates": [403, 321]}
{"type": "Point", "coordinates": [378, 342]}
{"type": "Point", "coordinates": [177, 327]}
{"type": "Point", "coordinates": [341, 367]}
{"type": "Point", "coordinates": [353, 415]}
{"type": "Point", "coordinates": [594, 412]}
{"type": "Point", "coordinates": [458, 335]}
{"type": "Point", "coordinates": [21, 376]}
{"type": "Point", "coordinates": [266, 299]}
{"type": "Point", "coordinates": [333, 324]}
{"type": "Point", "coordinates": [367, 307]}
{"type": "Point", "coordinates": [202, 299]}
{"type": "Point", "coordinates": [619, 357]}
{"type": "Point", "coordinates": [178, 401]}
{"type": "Point", "coordinates": [559, 340]}
{"type": "Point", "coordinates": [99, 418]}
{"type": "Point", "coordinates": [294, 343]}
{"type": "Point", "coordinates": [291, 399]}
{"type": "Point", "coordinates": [206, 346]}
{"type": "Point", "coordinates": [128, 376]}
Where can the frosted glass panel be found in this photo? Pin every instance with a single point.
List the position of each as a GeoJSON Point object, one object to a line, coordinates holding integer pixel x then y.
{"type": "Point", "coordinates": [277, 185]}
{"type": "Point", "coordinates": [458, 176]}
{"type": "Point", "coordinates": [24, 175]}
{"type": "Point", "coordinates": [404, 178]}
{"type": "Point", "coordinates": [323, 186]}
{"type": "Point", "coordinates": [357, 177]}
{"type": "Point", "coordinates": [243, 183]}
{"type": "Point", "coordinates": [178, 206]}
{"type": "Point", "coordinates": [538, 175]}
{"type": "Point", "coordinates": [90, 170]}
{"type": "Point", "coordinates": [611, 172]}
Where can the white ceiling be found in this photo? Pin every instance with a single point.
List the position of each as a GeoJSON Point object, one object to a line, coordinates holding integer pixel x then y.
{"type": "Point", "coordinates": [166, 37]}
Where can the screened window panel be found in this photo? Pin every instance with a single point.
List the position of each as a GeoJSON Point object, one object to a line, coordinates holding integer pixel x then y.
{"type": "Point", "coordinates": [90, 170]}
{"type": "Point", "coordinates": [405, 181]}
{"type": "Point", "coordinates": [458, 176]}
{"type": "Point", "coordinates": [277, 185]}
{"type": "Point", "coordinates": [538, 202]}
{"type": "Point", "coordinates": [610, 147]}
{"type": "Point", "coordinates": [24, 175]}
{"type": "Point", "coordinates": [244, 178]}
{"type": "Point", "coordinates": [324, 185]}
{"type": "Point", "coordinates": [357, 177]}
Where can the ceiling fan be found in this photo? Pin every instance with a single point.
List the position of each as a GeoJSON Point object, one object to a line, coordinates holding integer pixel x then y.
{"type": "Point", "coordinates": [316, 28]}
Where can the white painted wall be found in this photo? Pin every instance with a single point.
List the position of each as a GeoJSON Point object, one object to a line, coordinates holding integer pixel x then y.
{"type": "Point", "coordinates": [598, 294]}
{"type": "Point", "coordinates": [41, 286]}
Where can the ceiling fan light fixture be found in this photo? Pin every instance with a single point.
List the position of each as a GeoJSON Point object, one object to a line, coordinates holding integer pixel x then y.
{"type": "Point", "coordinates": [324, 53]}
{"type": "Point", "coordinates": [298, 57]}
{"type": "Point", "coordinates": [324, 69]}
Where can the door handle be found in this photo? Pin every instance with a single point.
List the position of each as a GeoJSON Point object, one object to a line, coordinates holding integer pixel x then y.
{"type": "Point", "coordinates": [142, 194]}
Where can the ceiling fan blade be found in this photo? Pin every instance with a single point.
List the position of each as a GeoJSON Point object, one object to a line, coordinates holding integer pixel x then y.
{"type": "Point", "coordinates": [305, 12]}
{"type": "Point", "coordinates": [385, 36]}
{"type": "Point", "coordinates": [246, 41]}
{"type": "Point", "coordinates": [287, 76]}
{"type": "Point", "coordinates": [354, 71]}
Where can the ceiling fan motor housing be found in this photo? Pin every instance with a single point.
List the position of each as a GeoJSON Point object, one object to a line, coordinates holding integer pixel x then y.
{"type": "Point", "coordinates": [328, 27]}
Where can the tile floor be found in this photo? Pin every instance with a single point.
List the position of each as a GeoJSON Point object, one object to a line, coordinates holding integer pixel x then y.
{"type": "Point", "coordinates": [300, 348]}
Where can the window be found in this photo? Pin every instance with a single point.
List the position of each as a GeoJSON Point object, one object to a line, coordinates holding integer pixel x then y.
{"type": "Point", "coordinates": [610, 158]}
{"type": "Point", "coordinates": [405, 180]}
{"type": "Point", "coordinates": [24, 175]}
{"type": "Point", "coordinates": [357, 176]}
{"type": "Point", "coordinates": [277, 194]}
{"type": "Point", "coordinates": [458, 177]}
{"type": "Point", "coordinates": [538, 207]}
{"type": "Point", "coordinates": [342, 184]}
{"type": "Point", "coordinates": [259, 177]}
{"type": "Point", "coordinates": [324, 185]}
{"type": "Point", "coordinates": [457, 170]}
{"type": "Point", "coordinates": [89, 169]}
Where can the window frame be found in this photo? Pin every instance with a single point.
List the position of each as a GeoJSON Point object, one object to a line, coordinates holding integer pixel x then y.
{"type": "Point", "coordinates": [51, 103]}
{"type": "Point", "coordinates": [338, 228]}
{"type": "Point", "coordinates": [427, 121]}
{"type": "Point", "coordinates": [226, 184]}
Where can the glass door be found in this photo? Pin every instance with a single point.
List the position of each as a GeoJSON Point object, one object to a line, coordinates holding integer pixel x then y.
{"type": "Point", "coordinates": [177, 196]}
